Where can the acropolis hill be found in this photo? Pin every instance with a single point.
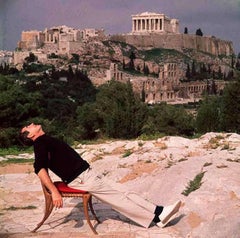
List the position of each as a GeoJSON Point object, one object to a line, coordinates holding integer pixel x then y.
{"type": "Point", "coordinates": [153, 30]}
{"type": "Point", "coordinates": [206, 44]}
{"type": "Point", "coordinates": [149, 30]}
{"type": "Point", "coordinates": [104, 57]}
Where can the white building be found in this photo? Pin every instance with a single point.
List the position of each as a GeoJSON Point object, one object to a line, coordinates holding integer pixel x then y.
{"type": "Point", "coordinates": [6, 57]}
{"type": "Point", "coordinates": [150, 22]}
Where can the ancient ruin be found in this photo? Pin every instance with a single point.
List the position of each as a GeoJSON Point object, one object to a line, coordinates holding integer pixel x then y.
{"type": "Point", "coordinates": [147, 22]}
{"type": "Point", "coordinates": [149, 31]}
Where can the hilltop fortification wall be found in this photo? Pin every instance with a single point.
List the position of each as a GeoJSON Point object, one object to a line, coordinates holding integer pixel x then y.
{"type": "Point", "coordinates": [206, 44]}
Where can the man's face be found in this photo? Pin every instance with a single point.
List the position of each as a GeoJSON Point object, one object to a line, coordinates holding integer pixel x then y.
{"type": "Point", "coordinates": [32, 129]}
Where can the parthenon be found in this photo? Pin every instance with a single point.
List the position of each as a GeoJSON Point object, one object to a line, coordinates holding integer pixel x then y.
{"type": "Point", "coordinates": [150, 22]}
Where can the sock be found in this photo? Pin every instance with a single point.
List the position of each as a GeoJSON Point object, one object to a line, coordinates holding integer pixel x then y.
{"type": "Point", "coordinates": [157, 212]}
{"type": "Point", "coordinates": [156, 219]}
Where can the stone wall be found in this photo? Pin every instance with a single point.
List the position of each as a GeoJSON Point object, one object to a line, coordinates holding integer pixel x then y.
{"type": "Point", "coordinates": [19, 56]}
{"type": "Point", "coordinates": [76, 47]}
{"type": "Point", "coordinates": [49, 48]}
{"type": "Point", "coordinates": [206, 44]}
{"type": "Point", "coordinates": [195, 89]}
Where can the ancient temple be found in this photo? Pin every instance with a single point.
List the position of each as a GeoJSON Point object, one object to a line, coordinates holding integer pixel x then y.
{"type": "Point", "coordinates": [150, 22]}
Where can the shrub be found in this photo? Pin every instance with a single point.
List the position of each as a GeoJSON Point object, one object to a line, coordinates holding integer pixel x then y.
{"type": "Point", "coordinates": [7, 136]}
{"type": "Point", "coordinates": [194, 184]}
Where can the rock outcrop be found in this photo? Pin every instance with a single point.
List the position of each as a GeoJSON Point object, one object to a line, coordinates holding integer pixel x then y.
{"type": "Point", "coordinates": [202, 172]}
{"type": "Point", "coordinates": [207, 44]}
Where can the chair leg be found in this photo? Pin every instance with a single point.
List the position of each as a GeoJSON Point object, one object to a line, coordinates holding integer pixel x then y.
{"type": "Point", "coordinates": [48, 210]}
{"type": "Point", "coordinates": [86, 198]}
{"type": "Point", "coordinates": [92, 210]}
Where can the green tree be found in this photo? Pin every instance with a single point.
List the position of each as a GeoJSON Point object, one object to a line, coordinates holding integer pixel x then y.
{"type": "Point", "coordinates": [145, 69]}
{"type": "Point", "coordinates": [123, 64]}
{"type": "Point", "coordinates": [122, 112]}
{"type": "Point", "coordinates": [188, 72]}
{"type": "Point", "coordinates": [15, 103]}
{"type": "Point", "coordinates": [88, 121]}
{"type": "Point", "coordinates": [131, 63]}
{"type": "Point", "coordinates": [238, 64]}
{"type": "Point", "coordinates": [70, 72]}
{"type": "Point", "coordinates": [193, 72]}
{"type": "Point", "coordinates": [168, 120]}
{"type": "Point", "coordinates": [199, 32]}
{"type": "Point", "coordinates": [60, 99]}
{"type": "Point", "coordinates": [208, 115]}
{"type": "Point", "coordinates": [16, 106]}
{"type": "Point", "coordinates": [219, 74]}
{"type": "Point", "coordinates": [230, 120]}
{"type": "Point", "coordinates": [31, 58]}
{"type": "Point", "coordinates": [5, 69]}
{"type": "Point", "coordinates": [75, 59]}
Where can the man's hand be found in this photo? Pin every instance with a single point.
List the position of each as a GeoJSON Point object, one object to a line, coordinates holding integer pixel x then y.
{"type": "Point", "coordinates": [57, 199]}
{"type": "Point", "coordinates": [46, 180]}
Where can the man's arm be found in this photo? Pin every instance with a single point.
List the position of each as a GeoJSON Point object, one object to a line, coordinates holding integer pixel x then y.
{"type": "Point", "coordinates": [46, 180]}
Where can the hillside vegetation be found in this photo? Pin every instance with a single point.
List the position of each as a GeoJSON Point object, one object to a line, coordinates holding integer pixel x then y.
{"type": "Point", "coordinates": [70, 107]}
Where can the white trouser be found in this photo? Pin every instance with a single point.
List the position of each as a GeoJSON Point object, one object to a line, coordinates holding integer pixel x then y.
{"type": "Point", "coordinates": [127, 203]}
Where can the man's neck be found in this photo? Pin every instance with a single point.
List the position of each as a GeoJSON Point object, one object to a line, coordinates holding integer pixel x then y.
{"type": "Point", "coordinates": [38, 135]}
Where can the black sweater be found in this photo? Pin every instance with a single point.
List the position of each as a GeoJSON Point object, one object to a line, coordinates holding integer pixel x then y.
{"type": "Point", "coordinates": [59, 157]}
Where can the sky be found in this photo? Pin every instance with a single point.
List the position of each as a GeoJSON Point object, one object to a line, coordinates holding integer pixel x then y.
{"type": "Point", "coordinates": [219, 18]}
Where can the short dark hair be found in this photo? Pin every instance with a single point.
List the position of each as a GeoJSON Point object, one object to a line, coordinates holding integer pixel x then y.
{"type": "Point", "coordinates": [24, 139]}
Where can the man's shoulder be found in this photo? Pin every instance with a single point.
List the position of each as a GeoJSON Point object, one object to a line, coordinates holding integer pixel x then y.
{"type": "Point", "coordinates": [44, 139]}
{"type": "Point", "coordinates": [50, 140]}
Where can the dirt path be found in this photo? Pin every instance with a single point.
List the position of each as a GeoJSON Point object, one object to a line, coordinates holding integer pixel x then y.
{"type": "Point", "coordinates": [16, 168]}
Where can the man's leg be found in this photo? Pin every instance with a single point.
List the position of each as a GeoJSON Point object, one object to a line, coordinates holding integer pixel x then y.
{"type": "Point", "coordinates": [129, 204]}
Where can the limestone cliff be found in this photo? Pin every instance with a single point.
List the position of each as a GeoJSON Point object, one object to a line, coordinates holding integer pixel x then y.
{"type": "Point", "coordinates": [160, 170]}
{"type": "Point", "coordinates": [179, 42]}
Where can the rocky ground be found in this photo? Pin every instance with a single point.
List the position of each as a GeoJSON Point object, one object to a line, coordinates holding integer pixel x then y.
{"type": "Point", "coordinates": [160, 170]}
